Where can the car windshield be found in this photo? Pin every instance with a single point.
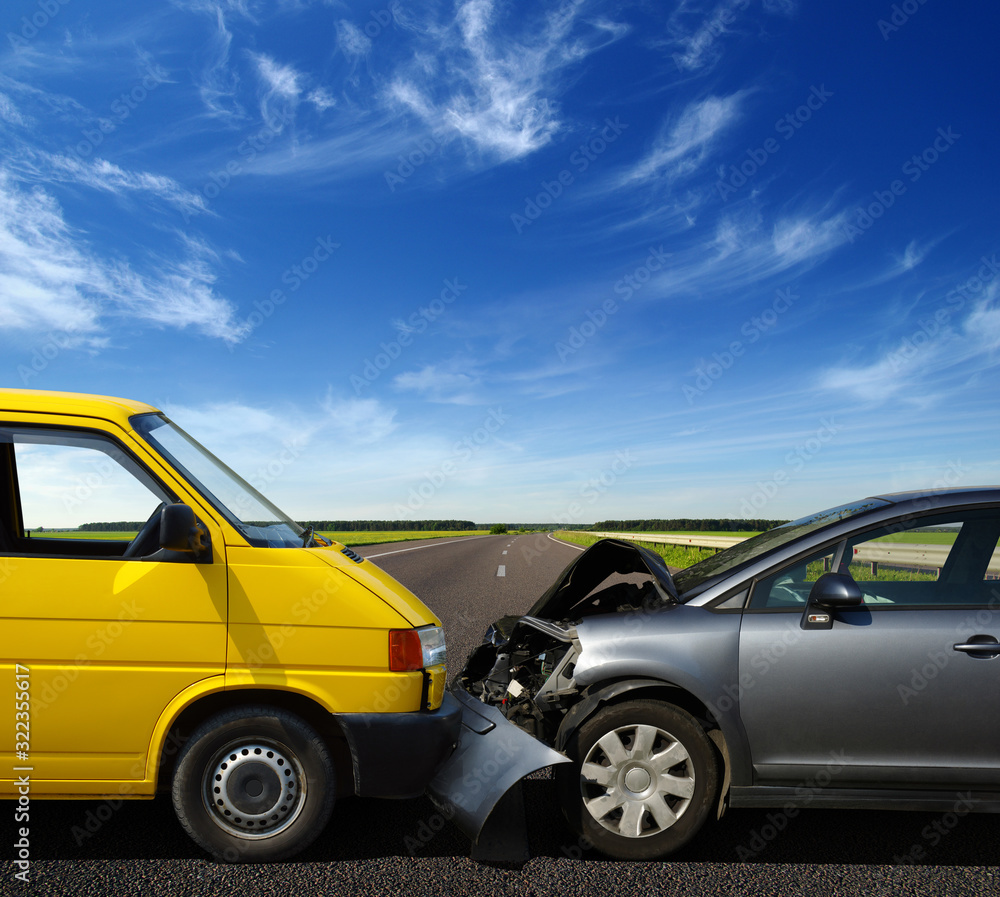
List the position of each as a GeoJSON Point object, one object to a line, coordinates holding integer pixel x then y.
{"type": "Point", "coordinates": [742, 553]}
{"type": "Point", "coordinates": [261, 523]}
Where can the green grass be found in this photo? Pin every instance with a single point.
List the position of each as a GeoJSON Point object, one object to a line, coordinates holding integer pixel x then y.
{"type": "Point", "coordinates": [76, 534]}
{"type": "Point", "coordinates": [673, 555]}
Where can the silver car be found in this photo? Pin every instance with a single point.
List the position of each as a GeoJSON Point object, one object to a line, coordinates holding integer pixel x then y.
{"type": "Point", "coordinates": [848, 659]}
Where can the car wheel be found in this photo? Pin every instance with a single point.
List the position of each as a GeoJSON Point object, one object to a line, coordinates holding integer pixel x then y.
{"type": "Point", "coordinates": [254, 784]}
{"type": "Point", "coordinates": [643, 780]}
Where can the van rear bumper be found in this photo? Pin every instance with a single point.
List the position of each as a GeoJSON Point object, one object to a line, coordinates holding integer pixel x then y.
{"type": "Point", "coordinates": [397, 754]}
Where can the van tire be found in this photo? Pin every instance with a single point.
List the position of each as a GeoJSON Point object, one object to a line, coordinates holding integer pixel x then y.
{"type": "Point", "coordinates": [254, 784]}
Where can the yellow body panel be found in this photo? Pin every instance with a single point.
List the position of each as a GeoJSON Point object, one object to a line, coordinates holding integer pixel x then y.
{"type": "Point", "coordinates": [117, 648]}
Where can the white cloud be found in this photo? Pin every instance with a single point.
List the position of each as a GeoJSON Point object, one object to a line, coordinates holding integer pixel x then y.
{"type": "Point", "coordinates": [280, 80]}
{"type": "Point", "coordinates": [360, 421]}
{"type": "Point", "coordinates": [103, 175]}
{"type": "Point", "coordinates": [50, 278]}
{"type": "Point", "coordinates": [351, 40]}
{"type": "Point", "coordinates": [439, 385]}
{"type": "Point", "coordinates": [218, 83]}
{"type": "Point", "coordinates": [321, 98]}
{"type": "Point", "coordinates": [684, 144]}
{"type": "Point", "coordinates": [493, 90]}
{"type": "Point", "coordinates": [9, 113]}
{"type": "Point", "coordinates": [917, 368]}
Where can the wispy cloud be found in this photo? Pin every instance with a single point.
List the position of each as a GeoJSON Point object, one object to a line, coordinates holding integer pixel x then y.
{"type": "Point", "coordinates": [684, 143]}
{"type": "Point", "coordinates": [110, 178]}
{"type": "Point", "coordinates": [494, 89]}
{"type": "Point", "coordinates": [438, 385]}
{"type": "Point", "coordinates": [917, 368]}
{"type": "Point", "coordinates": [696, 31]}
{"type": "Point", "coordinates": [360, 421]}
{"type": "Point", "coordinates": [51, 278]}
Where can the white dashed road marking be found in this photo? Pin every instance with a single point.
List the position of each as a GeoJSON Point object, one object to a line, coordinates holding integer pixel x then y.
{"type": "Point", "coordinates": [501, 570]}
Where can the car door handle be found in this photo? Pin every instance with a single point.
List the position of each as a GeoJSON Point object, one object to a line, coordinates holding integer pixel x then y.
{"type": "Point", "coordinates": [980, 649]}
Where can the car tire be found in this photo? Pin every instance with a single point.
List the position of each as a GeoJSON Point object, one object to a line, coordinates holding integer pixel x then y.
{"type": "Point", "coordinates": [254, 784]}
{"type": "Point", "coordinates": [643, 781]}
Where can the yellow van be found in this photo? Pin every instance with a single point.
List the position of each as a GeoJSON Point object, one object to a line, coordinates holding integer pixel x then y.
{"type": "Point", "coordinates": [252, 668]}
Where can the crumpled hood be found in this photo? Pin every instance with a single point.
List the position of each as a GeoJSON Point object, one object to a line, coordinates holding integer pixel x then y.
{"type": "Point", "coordinates": [592, 567]}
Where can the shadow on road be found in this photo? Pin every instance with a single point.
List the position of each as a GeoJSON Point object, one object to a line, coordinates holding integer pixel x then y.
{"type": "Point", "coordinates": [371, 829]}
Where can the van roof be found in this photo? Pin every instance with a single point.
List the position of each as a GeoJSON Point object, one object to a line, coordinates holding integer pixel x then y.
{"type": "Point", "coordinates": [40, 401]}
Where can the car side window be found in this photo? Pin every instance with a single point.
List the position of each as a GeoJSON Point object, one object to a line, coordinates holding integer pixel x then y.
{"type": "Point", "coordinates": [72, 493]}
{"type": "Point", "coordinates": [789, 588]}
{"type": "Point", "coordinates": [945, 560]}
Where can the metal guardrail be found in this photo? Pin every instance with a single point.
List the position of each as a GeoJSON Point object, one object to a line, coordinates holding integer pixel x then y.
{"type": "Point", "coordinates": [894, 554]}
{"type": "Point", "coordinates": [674, 539]}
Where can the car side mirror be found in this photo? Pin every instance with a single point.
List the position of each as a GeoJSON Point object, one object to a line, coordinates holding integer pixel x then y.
{"type": "Point", "coordinates": [181, 531]}
{"type": "Point", "coordinates": [830, 592]}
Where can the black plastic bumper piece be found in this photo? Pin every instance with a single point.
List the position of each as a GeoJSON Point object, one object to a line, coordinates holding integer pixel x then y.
{"type": "Point", "coordinates": [397, 754]}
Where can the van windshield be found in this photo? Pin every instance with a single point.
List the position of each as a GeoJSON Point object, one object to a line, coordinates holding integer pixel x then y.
{"type": "Point", "coordinates": [261, 523]}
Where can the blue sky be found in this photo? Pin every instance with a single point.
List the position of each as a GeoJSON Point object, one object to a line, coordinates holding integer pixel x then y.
{"type": "Point", "coordinates": [516, 261]}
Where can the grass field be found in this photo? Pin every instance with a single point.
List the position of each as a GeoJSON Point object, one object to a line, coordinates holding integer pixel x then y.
{"type": "Point", "coordinates": [673, 555]}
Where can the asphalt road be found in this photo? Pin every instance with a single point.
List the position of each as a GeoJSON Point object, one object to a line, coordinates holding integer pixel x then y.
{"type": "Point", "coordinates": [404, 847]}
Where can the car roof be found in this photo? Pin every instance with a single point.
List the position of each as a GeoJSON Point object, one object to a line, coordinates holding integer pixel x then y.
{"type": "Point", "coordinates": [949, 495]}
{"type": "Point", "coordinates": [40, 401]}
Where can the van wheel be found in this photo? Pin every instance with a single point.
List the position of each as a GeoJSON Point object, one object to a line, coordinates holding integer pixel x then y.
{"type": "Point", "coordinates": [643, 779]}
{"type": "Point", "coordinates": [254, 784]}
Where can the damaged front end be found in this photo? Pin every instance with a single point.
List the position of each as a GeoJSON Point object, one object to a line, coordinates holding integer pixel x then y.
{"type": "Point", "coordinates": [518, 686]}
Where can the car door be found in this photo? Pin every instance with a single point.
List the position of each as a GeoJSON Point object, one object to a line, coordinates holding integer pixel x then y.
{"type": "Point", "coordinates": [109, 639]}
{"type": "Point", "coordinates": [901, 691]}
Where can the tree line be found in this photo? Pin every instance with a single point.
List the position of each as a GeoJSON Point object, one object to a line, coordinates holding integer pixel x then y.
{"type": "Point", "coordinates": [337, 526]}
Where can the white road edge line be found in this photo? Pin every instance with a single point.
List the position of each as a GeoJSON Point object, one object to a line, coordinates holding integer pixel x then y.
{"type": "Point", "coordinates": [418, 547]}
{"type": "Point", "coordinates": [501, 570]}
{"type": "Point", "coordinates": [567, 544]}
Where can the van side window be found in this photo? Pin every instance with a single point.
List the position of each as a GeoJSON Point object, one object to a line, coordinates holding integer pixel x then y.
{"type": "Point", "coordinates": [72, 493]}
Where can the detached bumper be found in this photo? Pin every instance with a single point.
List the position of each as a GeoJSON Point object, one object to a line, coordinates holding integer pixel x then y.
{"type": "Point", "coordinates": [397, 754]}
{"type": "Point", "coordinates": [492, 756]}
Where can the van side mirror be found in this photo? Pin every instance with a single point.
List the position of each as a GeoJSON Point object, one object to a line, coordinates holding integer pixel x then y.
{"type": "Point", "coordinates": [181, 531]}
{"type": "Point", "coordinates": [830, 592]}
